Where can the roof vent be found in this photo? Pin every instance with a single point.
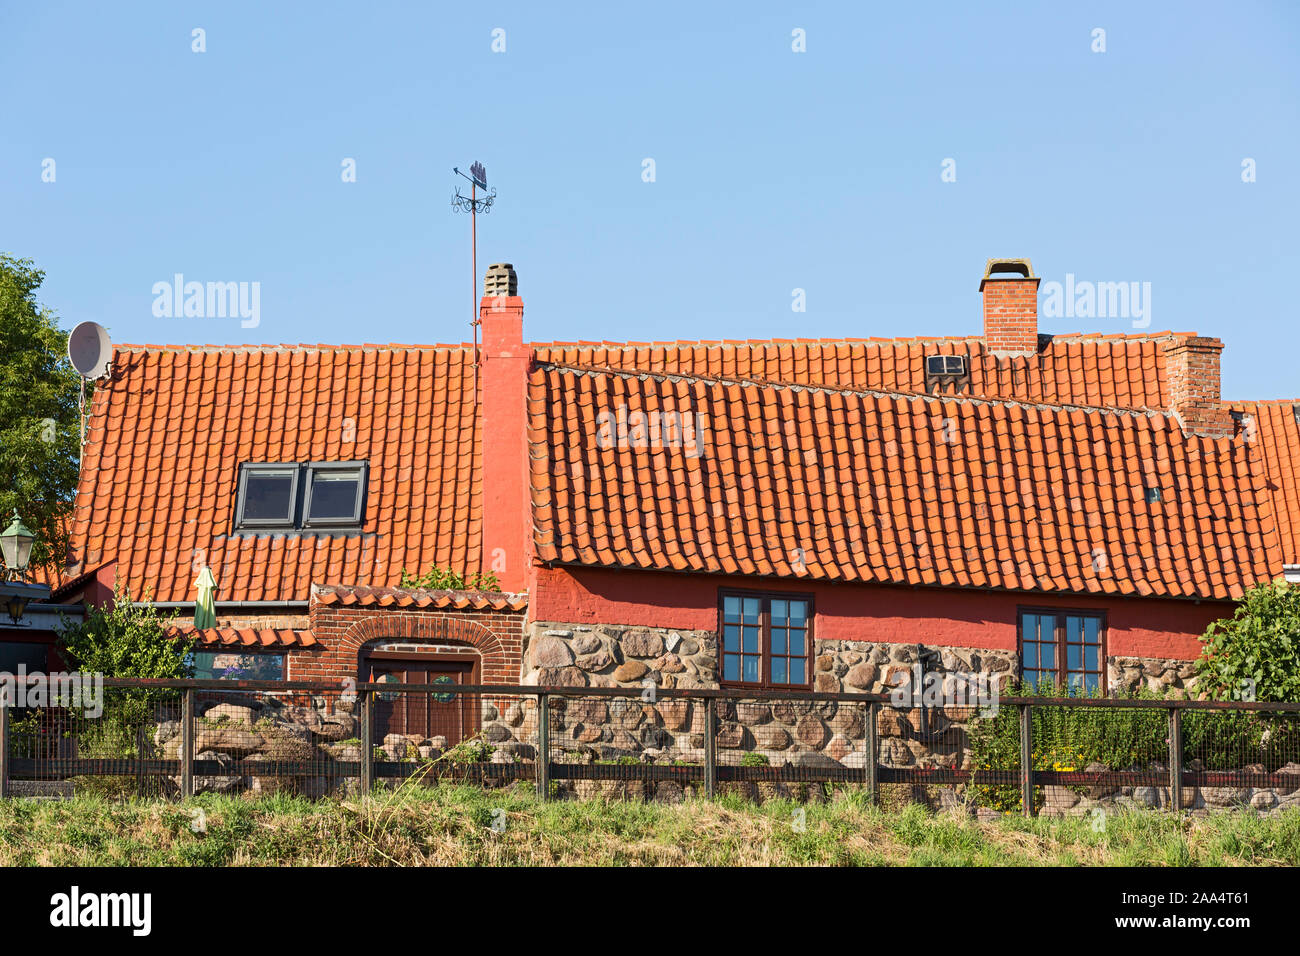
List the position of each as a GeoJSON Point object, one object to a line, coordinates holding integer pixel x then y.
{"type": "Point", "coordinates": [1152, 495]}
{"type": "Point", "coordinates": [500, 280]}
{"type": "Point", "coordinates": [1295, 412]}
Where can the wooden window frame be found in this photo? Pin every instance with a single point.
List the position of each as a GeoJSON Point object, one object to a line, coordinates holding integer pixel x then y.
{"type": "Point", "coordinates": [1061, 643]}
{"type": "Point", "coordinates": [764, 638]}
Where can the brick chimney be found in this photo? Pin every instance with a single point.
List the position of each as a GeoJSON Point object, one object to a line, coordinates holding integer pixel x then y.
{"type": "Point", "coordinates": [1192, 370]}
{"type": "Point", "coordinates": [1010, 307]}
{"type": "Point", "coordinates": [504, 362]}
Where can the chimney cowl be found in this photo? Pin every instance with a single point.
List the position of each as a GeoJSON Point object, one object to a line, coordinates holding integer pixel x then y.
{"type": "Point", "coordinates": [1023, 269]}
{"type": "Point", "coordinates": [500, 279]}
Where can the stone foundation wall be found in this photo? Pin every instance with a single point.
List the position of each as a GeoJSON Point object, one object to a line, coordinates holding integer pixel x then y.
{"type": "Point", "coordinates": [1174, 678]}
{"type": "Point", "coordinates": [603, 655]}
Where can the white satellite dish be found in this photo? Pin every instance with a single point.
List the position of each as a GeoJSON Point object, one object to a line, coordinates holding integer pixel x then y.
{"type": "Point", "coordinates": [89, 349]}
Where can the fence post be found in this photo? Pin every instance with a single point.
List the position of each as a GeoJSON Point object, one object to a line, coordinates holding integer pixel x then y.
{"type": "Point", "coordinates": [543, 761]}
{"type": "Point", "coordinates": [4, 742]}
{"type": "Point", "coordinates": [1176, 758]}
{"type": "Point", "coordinates": [873, 747]}
{"type": "Point", "coordinates": [710, 747]}
{"type": "Point", "coordinates": [139, 758]}
{"type": "Point", "coordinates": [1027, 759]}
{"type": "Point", "coordinates": [367, 742]}
{"type": "Point", "coordinates": [187, 744]}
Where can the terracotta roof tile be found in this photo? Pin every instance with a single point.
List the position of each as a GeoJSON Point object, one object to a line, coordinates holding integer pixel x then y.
{"type": "Point", "coordinates": [244, 637]}
{"type": "Point", "coordinates": [170, 428]}
{"type": "Point", "coordinates": [350, 596]}
{"type": "Point", "coordinates": [1051, 498]}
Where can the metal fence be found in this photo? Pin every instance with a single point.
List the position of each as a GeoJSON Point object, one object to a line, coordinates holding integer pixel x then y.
{"type": "Point", "coordinates": [319, 739]}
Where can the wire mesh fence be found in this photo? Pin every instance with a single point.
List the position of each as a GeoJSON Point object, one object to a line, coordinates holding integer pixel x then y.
{"type": "Point", "coordinates": [1052, 756]}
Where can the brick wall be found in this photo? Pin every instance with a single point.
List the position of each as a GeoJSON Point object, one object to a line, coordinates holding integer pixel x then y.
{"type": "Point", "coordinates": [1192, 367]}
{"type": "Point", "coordinates": [341, 633]}
{"type": "Point", "coordinates": [1010, 314]}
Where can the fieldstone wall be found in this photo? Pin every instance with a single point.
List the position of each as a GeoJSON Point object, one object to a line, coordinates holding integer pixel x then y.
{"type": "Point", "coordinates": [1173, 678]}
{"type": "Point", "coordinates": [603, 655]}
{"type": "Point", "coordinates": [267, 729]}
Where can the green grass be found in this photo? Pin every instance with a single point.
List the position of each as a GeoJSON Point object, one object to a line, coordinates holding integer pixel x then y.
{"type": "Point", "coordinates": [470, 826]}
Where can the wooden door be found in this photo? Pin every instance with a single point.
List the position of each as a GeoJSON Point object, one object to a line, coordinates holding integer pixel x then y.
{"type": "Point", "coordinates": [432, 714]}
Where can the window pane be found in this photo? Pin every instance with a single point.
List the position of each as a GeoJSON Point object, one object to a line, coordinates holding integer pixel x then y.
{"type": "Point", "coordinates": [219, 665]}
{"type": "Point", "coordinates": [1073, 656]}
{"type": "Point", "coordinates": [730, 638]}
{"type": "Point", "coordinates": [780, 613]}
{"type": "Point", "coordinates": [334, 494]}
{"type": "Point", "coordinates": [751, 669]}
{"type": "Point", "coordinates": [13, 653]}
{"type": "Point", "coordinates": [1076, 681]}
{"type": "Point", "coordinates": [798, 613]}
{"type": "Point", "coordinates": [731, 667]}
{"type": "Point", "coordinates": [1092, 682]}
{"type": "Point", "coordinates": [731, 609]}
{"type": "Point", "coordinates": [796, 642]}
{"type": "Point", "coordinates": [1047, 656]}
{"type": "Point", "coordinates": [752, 607]}
{"type": "Point", "coordinates": [267, 495]}
{"type": "Point", "coordinates": [1090, 657]}
{"type": "Point", "coordinates": [1074, 629]}
{"type": "Point", "coordinates": [797, 667]}
{"type": "Point", "coordinates": [1092, 630]}
{"type": "Point", "coordinates": [778, 671]}
{"type": "Point", "coordinates": [778, 641]}
{"type": "Point", "coordinates": [751, 640]}
{"type": "Point", "coordinates": [1031, 656]}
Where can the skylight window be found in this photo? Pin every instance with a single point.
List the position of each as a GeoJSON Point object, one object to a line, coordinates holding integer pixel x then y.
{"type": "Point", "coordinates": [945, 365]}
{"type": "Point", "coordinates": [300, 496]}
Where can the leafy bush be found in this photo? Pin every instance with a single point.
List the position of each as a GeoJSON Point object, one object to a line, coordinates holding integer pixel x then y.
{"type": "Point", "coordinates": [1065, 739]}
{"type": "Point", "coordinates": [125, 640]}
{"type": "Point", "coordinates": [1071, 738]}
{"type": "Point", "coordinates": [1257, 648]}
{"type": "Point", "coordinates": [755, 760]}
{"type": "Point", "coordinates": [444, 579]}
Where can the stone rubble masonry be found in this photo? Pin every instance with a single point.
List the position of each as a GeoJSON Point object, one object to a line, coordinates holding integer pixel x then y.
{"type": "Point", "coordinates": [1161, 676]}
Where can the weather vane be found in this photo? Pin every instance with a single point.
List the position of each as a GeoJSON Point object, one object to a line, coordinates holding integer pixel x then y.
{"type": "Point", "coordinates": [473, 204]}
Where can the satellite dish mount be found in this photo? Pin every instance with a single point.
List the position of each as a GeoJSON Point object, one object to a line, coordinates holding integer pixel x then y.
{"type": "Point", "coordinates": [90, 351]}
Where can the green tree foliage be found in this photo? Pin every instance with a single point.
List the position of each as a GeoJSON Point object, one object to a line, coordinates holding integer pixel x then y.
{"type": "Point", "coordinates": [39, 418]}
{"type": "Point", "coordinates": [1258, 648]}
{"type": "Point", "coordinates": [126, 640]}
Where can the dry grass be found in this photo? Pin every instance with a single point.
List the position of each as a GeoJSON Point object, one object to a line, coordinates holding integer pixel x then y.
{"type": "Point", "coordinates": [449, 826]}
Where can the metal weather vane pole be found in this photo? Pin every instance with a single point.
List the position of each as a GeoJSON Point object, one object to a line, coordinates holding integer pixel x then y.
{"type": "Point", "coordinates": [472, 204]}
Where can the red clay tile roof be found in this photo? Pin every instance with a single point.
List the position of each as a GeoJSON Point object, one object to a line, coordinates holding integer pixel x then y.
{"type": "Point", "coordinates": [348, 596]}
{"type": "Point", "coordinates": [168, 431]}
{"type": "Point", "coordinates": [264, 638]}
{"type": "Point", "coordinates": [1124, 371]}
{"type": "Point", "coordinates": [1278, 433]}
{"type": "Point", "coordinates": [876, 486]}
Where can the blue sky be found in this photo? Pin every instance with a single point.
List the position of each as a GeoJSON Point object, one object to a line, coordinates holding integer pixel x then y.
{"type": "Point", "coordinates": [774, 170]}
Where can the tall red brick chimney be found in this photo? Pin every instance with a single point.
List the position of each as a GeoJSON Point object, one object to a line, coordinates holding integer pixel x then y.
{"type": "Point", "coordinates": [504, 366]}
{"type": "Point", "coordinates": [1010, 307]}
{"type": "Point", "coordinates": [1192, 374]}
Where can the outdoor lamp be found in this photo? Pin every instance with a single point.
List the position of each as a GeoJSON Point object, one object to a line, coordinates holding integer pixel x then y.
{"type": "Point", "coordinates": [16, 546]}
{"type": "Point", "coordinates": [15, 604]}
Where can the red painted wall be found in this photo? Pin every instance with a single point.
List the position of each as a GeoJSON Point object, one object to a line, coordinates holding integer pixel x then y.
{"type": "Point", "coordinates": [1137, 627]}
